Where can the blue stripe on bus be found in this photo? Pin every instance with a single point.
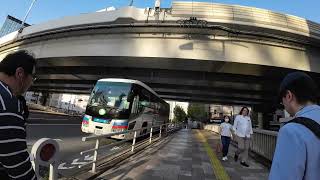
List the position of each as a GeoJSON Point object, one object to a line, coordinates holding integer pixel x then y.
{"type": "Point", "coordinates": [101, 120]}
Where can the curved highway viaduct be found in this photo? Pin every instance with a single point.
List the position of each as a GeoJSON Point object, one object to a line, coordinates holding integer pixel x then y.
{"type": "Point", "coordinates": [190, 52]}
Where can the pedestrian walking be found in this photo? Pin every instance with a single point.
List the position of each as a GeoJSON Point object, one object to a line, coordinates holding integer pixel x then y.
{"type": "Point", "coordinates": [243, 130]}
{"type": "Point", "coordinates": [225, 132]}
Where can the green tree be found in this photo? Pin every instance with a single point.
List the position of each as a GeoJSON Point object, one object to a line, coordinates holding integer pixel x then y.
{"type": "Point", "coordinates": [179, 114]}
{"type": "Point", "coordinates": [197, 111]}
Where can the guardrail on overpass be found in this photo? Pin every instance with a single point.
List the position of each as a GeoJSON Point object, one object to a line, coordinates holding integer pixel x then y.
{"type": "Point", "coordinates": [263, 142]}
{"type": "Point", "coordinates": [247, 16]}
{"type": "Point", "coordinates": [233, 15]}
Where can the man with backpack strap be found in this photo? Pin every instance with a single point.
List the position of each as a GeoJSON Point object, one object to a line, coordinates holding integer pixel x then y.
{"type": "Point", "coordinates": [297, 154]}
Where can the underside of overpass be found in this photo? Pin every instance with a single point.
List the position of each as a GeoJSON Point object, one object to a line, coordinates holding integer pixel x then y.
{"type": "Point", "coordinates": [175, 79]}
{"type": "Point", "coordinates": [198, 81]}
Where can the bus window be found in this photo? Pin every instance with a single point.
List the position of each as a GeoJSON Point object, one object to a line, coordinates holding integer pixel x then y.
{"type": "Point", "coordinates": [144, 100]}
{"type": "Point", "coordinates": [109, 100]}
{"type": "Point", "coordinates": [131, 125]}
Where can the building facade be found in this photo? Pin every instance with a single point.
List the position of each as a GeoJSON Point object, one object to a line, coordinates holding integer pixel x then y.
{"type": "Point", "coordinates": [10, 25]}
{"type": "Point", "coordinates": [65, 102]}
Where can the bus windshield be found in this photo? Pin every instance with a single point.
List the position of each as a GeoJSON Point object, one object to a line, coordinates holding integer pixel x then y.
{"type": "Point", "coordinates": [109, 100]}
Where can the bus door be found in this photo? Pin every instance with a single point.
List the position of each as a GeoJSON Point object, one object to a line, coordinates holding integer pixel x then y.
{"type": "Point", "coordinates": [146, 110]}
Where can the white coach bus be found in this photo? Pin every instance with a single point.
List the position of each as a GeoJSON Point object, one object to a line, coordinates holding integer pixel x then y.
{"type": "Point", "coordinates": [117, 105]}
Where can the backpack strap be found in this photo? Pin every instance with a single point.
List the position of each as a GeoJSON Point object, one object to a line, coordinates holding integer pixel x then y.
{"type": "Point", "coordinates": [308, 123]}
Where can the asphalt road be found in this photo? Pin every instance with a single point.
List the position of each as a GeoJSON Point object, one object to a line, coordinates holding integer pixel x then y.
{"type": "Point", "coordinates": [67, 131]}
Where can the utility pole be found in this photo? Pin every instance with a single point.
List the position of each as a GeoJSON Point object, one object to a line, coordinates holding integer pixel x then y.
{"type": "Point", "coordinates": [25, 17]}
{"type": "Point", "coordinates": [131, 3]}
{"type": "Point", "coordinates": [157, 5]}
{"type": "Point", "coordinates": [69, 104]}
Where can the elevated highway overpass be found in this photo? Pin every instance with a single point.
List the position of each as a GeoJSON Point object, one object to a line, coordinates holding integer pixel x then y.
{"type": "Point", "coordinates": [200, 52]}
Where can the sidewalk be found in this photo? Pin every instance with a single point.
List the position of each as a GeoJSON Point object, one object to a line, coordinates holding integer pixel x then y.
{"type": "Point", "coordinates": [189, 155]}
{"type": "Point", "coordinates": [256, 171]}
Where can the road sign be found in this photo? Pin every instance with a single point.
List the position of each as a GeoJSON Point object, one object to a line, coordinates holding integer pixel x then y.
{"type": "Point", "coordinates": [45, 152]}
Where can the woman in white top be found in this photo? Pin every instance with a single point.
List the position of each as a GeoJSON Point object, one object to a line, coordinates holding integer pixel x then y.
{"type": "Point", "coordinates": [243, 130]}
{"type": "Point", "coordinates": [225, 132]}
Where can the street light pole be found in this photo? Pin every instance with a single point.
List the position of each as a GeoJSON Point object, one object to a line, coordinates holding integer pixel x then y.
{"type": "Point", "coordinates": [25, 17]}
{"type": "Point", "coordinates": [157, 5]}
{"type": "Point", "coordinates": [131, 3]}
{"type": "Point", "coordinates": [69, 103]}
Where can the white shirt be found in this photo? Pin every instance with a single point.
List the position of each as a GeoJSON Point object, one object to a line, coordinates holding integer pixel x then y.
{"type": "Point", "coordinates": [225, 129]}
{"type": "Point", "coordinates": [242, 126]}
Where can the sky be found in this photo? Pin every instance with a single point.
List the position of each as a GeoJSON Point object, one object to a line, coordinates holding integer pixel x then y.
{"type": "Point", "coordinates": [45, 10]}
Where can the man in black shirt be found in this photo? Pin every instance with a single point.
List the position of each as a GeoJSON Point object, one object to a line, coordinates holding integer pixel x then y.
{"type": "Point", "coordinates": [16, 76]}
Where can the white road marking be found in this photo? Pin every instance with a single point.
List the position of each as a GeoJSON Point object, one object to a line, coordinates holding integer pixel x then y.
{"type": "Point", "coordinates": [61, 166]}
{"type": "Point", "coordinates": [88, 158]}
{"type": "Point", "coordinates": [75, 162]}
{"type": "Point", "coordinates": [115, 148]}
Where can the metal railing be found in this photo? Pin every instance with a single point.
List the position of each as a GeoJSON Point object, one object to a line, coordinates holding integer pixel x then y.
{"type": "Point", "coordinates": [263, 142]}
{"type": "Point", "coordinates": [242, 15]}
{"type": "Point", "coordinates": [129, 135]}
{"type": "Point", "coordinates": [51, 165]}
